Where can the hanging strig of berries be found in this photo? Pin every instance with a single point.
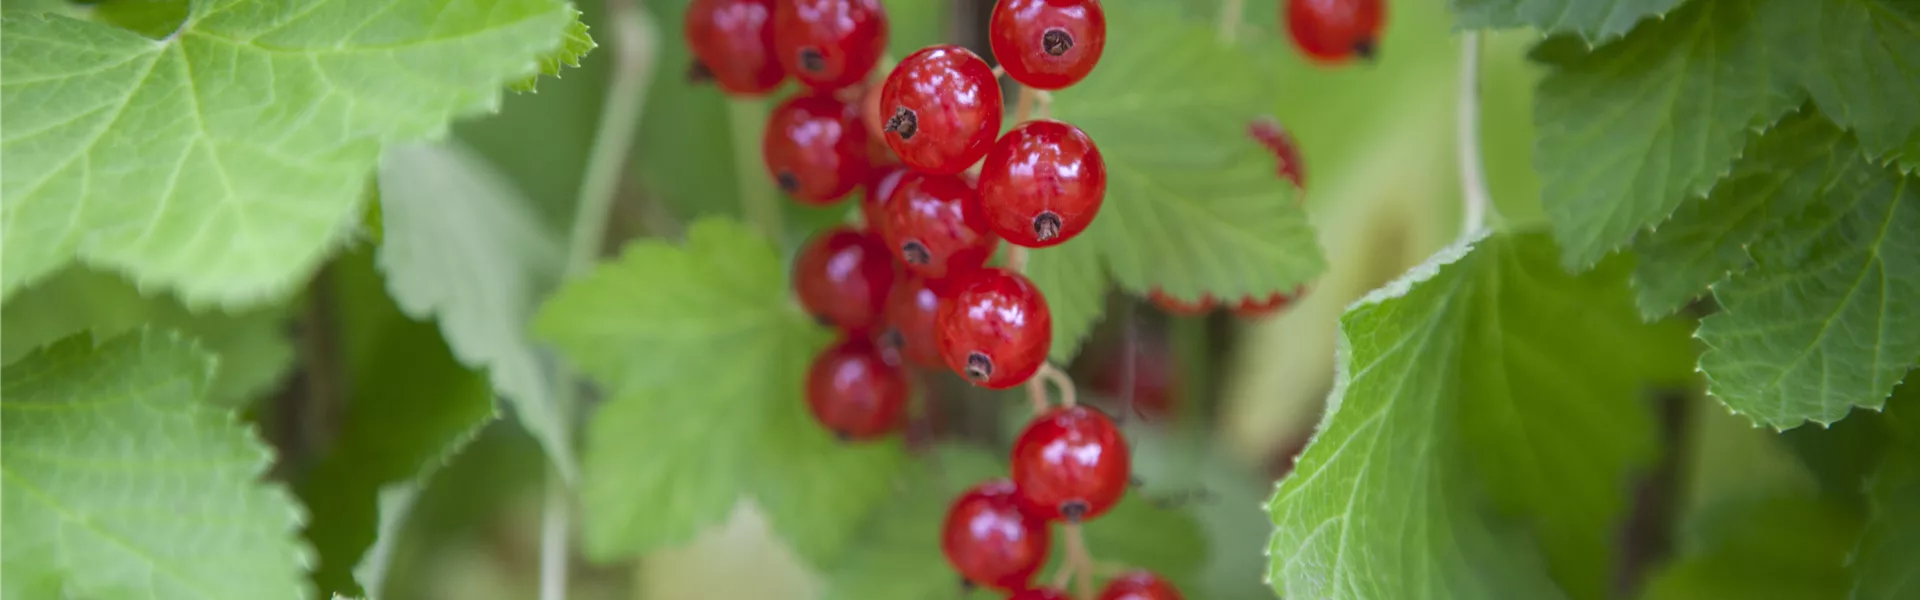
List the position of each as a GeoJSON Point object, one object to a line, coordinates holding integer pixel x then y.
{"type": "Point", "coordinates": [910, 315]}
{"type": "Point", "coordinates": [1042, 184]}
{"type": "Point", "coordinates": [843, 276]}
{"type": "Point", "coordinates": [1070, 464]}
{"type": "Point", "coordinates": [855, 393]}
{"type": "Point", "coordinates": [1047, 44]}
{"type": "Point", "coordinates": [829, 44]}
{"type": "Point", "coordinates": [935, 226]}
{"type": "Point", "coordinates": [815, 148]}
{"type": "Point", "coordinates": [990, 541]}
{"type": "Point", "coordinates": [1334, 31]}
{"type": "Point", "coordinates": [995, 329]}
{"type": "Point", "coordinates": [942, 109]}
{"type": "Point", "coordinates": [1140, 585]}
{"type": "Point", "coordinates": [732, 42]}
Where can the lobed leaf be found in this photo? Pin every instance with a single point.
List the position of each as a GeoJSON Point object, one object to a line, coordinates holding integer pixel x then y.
{"type": "Point", "coordinates": [461, 246]}
{"type": "Point", "coordinates": [224, 160]}
{"type": "Point", "coordinates": [1861, 66]}
{"type": "Point", "coordinates": [1885, 557]}
{"type": "Point", "coordinates": [1631, 130]}
{"type": "Point", "coordinates": [1489, 406]}
{"type": "Point", "coordinates": [1593, 20]}
{"type": "Point", "coordinates": [1192, 206]}
{"type": "Point", "coordinates": [121, 482]}
{"type": "Point", "coordinates": [1798, 551]}
{"type": "Point", "coordinates": [1822, 322]}
{"type": "Point", "coordinates": [704, 356]}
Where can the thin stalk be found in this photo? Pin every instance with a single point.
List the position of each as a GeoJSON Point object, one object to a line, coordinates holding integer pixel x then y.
{"type": "Point", "coordinates": [1230, 13]}
{"type": "Point", "coordinates": [759, 203]}
{"type": "Point", "coordinates": [630, 33]}
{"type": "Point", "coordinates": [1473, 175]}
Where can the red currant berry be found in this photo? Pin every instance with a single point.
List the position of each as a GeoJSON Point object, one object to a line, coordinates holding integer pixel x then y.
{"type": "Point", "coordinates": [1040, 594]}
{"type": "Point", "coordinates": [873, 203]}
{"type": "Point", "coordinates": [990, 542]}
{"type": "Point", "coordinates": [943, 107]}
{"type": "Point", "coordinates": [1070, 464]}
{"type": "Point", "coordinates": [1182, 308]}
{"type": "Point", "coordinates": [815, 148]}
{"type": "Point", "coordinates": [829, 44]}
{"type": "Point", "coordinates": [911, 312]}
{"type": "Point", "coordinates": [733, 41]}
{"type": "Point", "coordinates": [1276, 140]}
{"type": "Point", "coordinates": [936, 226]}
{"type": "Point", "coordinates": [1042, 184]}
{"type": "Point", "coordinates": [995, 329]}
{"type": "Point", "coordinates": [1047, 44]}
{"type": "Point", "coordinates": [854, 393]}
{"type": "Point", "coordinates": [1332, 31]}
{"type": "Point", "coordinates": [843, 276]}
{"type": "Point", "coordinates": [1140, 585]}
{"type": "Point", "coordinates": [1253, 308]}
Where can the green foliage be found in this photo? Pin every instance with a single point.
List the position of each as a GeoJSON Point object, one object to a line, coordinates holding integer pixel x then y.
{"type": "Point", "coordinates": [1860, 69]}
{"type": "Point", "coordinates": [1486, 394]}
{"type": "Point", "coordinates": [461, 245]}
{"type": "Point", "coordinates": [121, 482]}
{"type": "Point", "coordinates": [1630, 130]}
{"type": "Point", "coordinates": [1886, 556]}
{"type": "Point", "coordinates": [574, 44]}
{"type": "Point", "coordinates": [1591, 19]}
{"type": "Point", "coordinates": [897, 553]}
{"type": "Point", "coordinates": [1823, 320]}
{"type": "Point", "coordinates": [251, 345]}
{"type": "Point", "coordinates": [1193, 206]}
{"type": "Point", "coordinates": [1782, 548]}
{"type": "Point", "coordinates": [159, 159]}
{"type": "Point", "coordinates": [409, 407]}
{"type": "Point", "coordinates": [703, 355]}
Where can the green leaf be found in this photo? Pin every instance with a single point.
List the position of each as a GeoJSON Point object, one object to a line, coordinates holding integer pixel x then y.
{"type": "Point", "coordinates": [704, 354]}
{"type": "Point", "coordinates": [1631, 130]}
{"type": "Point", "coordinates": [409, 406]}
{"type": "Point", "coordinates": [461, 246]}
{"type": "Point", "coordinates": [1778, 548]}
{"type": "Point", "coordinates": [1593, 20]}
{"type": "Point", "coordinates": [252, 345]}
{"type": "Point", "coordinates": [1075, 286]}
{"type": "Point", "coordinates": [1193, 206]}
{"type": "Point", "coordinates": [1862, 67]}
{"type": "Point", "coordinates": [122, 483]}
{"type": "Point", "coordinates": [1486, 397]}
{"type": "Point", "coordinates": [1788, 168]}
{"type": "Point", "coordinates": [161, 158]}
{"type": "Point", "coordinates": [574, 44]}
{"type": "Point", "coordinates": [1821, 322]}
{"type": "Point", "coordinates": [897, 553]}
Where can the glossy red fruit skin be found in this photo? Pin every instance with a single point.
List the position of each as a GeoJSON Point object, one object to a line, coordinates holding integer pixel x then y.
{"type": "Point", "coordinates": [815, 148]}
{"type": "Point", "coordinates": [1042, 184]}
{"type": "Point", "coordinates": [995, 329]}
{"type": "Point", "coordinates": [1070, 458]}
{"type": "Point", "coordinates": [1183, 308]}
{"type": "Point", "coordinates": [1285, 151]}
{"type": "Point", "coordinates": [913, 308]}
{"type": "Point", "coordinates": [935, 226]}
{"type": "Point", "coordinates": [941, 109]}
{"type": "Point", "coordinates": [829, 44]}
{"type": "Point", "coordinates": [854, 393]}
{"type": "Point", "coordinates": [733, 39]}
{"type": "Point", "coordinates": [990, 542]}
{"type": "Point", "coordinates": [1040, 594]}
{"type": "Point", "coordinates": [843, 276]}
{"type": "Point", "coordinates": [1017, 32]}
{"type": "Point", "coordinates": [873, 202]}
{"type": "Point", "coordinates": [1140, 585]}
{"type": "Point", "coordinates": [1333, 31]}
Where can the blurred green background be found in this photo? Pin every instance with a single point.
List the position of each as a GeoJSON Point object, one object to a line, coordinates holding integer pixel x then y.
{"type": "Point", "coordinates": [1379, 146]}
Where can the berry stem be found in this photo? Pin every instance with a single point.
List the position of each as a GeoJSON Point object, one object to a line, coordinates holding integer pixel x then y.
{"type": "Point", "coordinates": [758, 202]}
{"type": "Point", "coordinates": [1080, 566]}
{"type": "Point", "coordinates": [1230, 13]}
{"type": "Point", "coordinates": [631, 33]}
{"type": "Point", "coordinates": [1023, 104]}
{"type": "Point", "coordinates": [1473, 175]}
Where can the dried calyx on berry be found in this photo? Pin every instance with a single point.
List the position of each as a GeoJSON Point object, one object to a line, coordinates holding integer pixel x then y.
{"type": "Point", "coordinates": [995, 329]}
{"type": "Point", "coordinates": [1071, 464]}
{"type": "Point", "coordinates": [1042, 184]}
{"type": "Point", "coordinates": [1047, 44]}
{"type": "Point", "coordinates": [944, 109]}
